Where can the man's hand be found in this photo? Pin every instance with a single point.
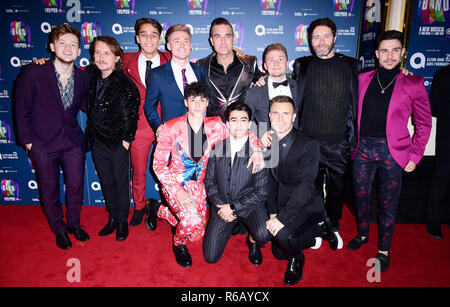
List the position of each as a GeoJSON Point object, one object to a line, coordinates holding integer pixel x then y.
{"type": "Point", "coordinates": [257, 159]}
{"type": "Point", "coordinates": [410, 167]}
{"type": "Point", "coordinates": [266, 139]}
{"type": "Point", "coordinates": [41, 61]}
{"type": "Point", "coordinates": [28, 146]}
{"type": "Point", "coordinates": [274, 226]}
{"type": "Point", "coordinates": [406, 72]}
{"type": "Point", "coordinates": [160, 136]}
{"type": "Point", "coordinates": [260, 81]}
{"type": "Point", "coordinates": [226, 213]}
{"type": "Point", "coordinates": [126, 145]}
{"type": "Point", "coordinates": [185, 199]}
{"type": "Point", "coordinates": [239, 52]}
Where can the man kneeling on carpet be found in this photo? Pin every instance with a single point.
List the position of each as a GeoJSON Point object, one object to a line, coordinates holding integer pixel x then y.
{"type": "Point", "coordinates": [295, 204]}
{"type": "Point", "coordinates": [180, 160]}
{"type": "Point", "coordinates": [233, 191]}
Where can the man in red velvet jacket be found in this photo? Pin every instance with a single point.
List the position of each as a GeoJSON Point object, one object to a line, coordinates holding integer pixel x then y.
{"type": "Point", "coordinates": [137, 67]}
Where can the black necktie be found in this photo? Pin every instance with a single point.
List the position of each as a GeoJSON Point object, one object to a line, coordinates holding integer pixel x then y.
{"type": "Point", "coordinates": [276, 84]}
{"type": "Point", "coordinates": [147, 71]}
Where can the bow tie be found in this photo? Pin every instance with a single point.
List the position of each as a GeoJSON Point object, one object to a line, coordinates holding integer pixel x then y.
{"type": "Point", "coordinates": [276, 84]}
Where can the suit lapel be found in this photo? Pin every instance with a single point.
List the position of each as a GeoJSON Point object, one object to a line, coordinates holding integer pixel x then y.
{"type": "Point", "coordinates": [54, 84]}
{"type": "Point", "coordinates": [363, 85]}
{"type": "Point", "coordinates": [396, 94]}
{"type": "Point", "coordinates": [133, 70]}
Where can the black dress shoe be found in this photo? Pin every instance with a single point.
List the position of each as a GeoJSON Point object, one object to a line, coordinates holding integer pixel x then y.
{"type": "Point", "coordinates": [356, 243]}
{"type": "Point", "coordinates": [384, 261]}
{"type": "Point", "coordinates": [109, 228]}
{"type": "Point", "coordinates": [328, 233]}
{"type": "Point", "coordinates": [435, 231]}
{"type": "Point", "coordinates": [122, 231]}
{"type": "Point", "coordinates": [182, 255]}
{"type": "Point", "coordinates": [152, 214]}
{"type": "Point", "coordinates": [137, 217]}
{"type": "Point", "coordinates": [254, 254]}
{"type": "Point", "coordinates": [63, 241]}
{"type": "Point", "coordinates": [294, 271]}
{"type": "Point", "coordinates": [80, 233]}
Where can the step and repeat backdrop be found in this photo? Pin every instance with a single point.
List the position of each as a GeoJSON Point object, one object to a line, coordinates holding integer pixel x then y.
{"type": "Point", "coordinates": [25, 25]}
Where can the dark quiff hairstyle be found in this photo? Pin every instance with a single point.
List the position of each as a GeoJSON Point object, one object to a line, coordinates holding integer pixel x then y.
{"type": "Point", "coordinates": [282, 99]}
{"type": "Point", "coordinates": [390, 34]}
{"type": "Point", "coordinates": [113, 46]}
{"type": "Point", "coordinates": [321, 22]}
{"type": "Point", "coordinates": [146, 20]}
{"type": "Point", "coordinates": [197, 89]}
{"type": "Point", "coordinates": [238, 106]}
{"type": "Point", "coordinates": [220, 21]}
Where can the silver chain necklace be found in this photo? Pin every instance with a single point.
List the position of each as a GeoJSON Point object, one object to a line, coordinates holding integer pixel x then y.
{"type": "Point", "coordinates": [382, 89]}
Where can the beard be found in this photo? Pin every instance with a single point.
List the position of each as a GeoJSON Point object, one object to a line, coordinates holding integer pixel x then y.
{"type": "Point", "coordinates": [324, 52]}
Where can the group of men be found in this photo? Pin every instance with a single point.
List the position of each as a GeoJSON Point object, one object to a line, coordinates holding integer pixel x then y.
{"type": "Point", "coordinates": [256, 155]}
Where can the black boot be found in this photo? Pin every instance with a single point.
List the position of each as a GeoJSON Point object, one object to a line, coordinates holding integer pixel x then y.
{"type": "Point", "coordinates": [122, 231]}
{"type": "Point", "coordinates": [435, 231]}
{"type": "Point", "coordinates": [294, 271]}
{"type": "Point", "coordinates": [254, 254]}
{"type": "Point", "coordinates": [109, 228]}
{"type": "Point", "coordinates": [152, 214]}
{"type": "Point", "coordinates": [182, 255]}
{"type": "Point", "coordinates": [137, 217]}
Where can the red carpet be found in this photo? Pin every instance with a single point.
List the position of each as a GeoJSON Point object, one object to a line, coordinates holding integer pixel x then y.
{"type": "Point", "coordinates": [29, 257]}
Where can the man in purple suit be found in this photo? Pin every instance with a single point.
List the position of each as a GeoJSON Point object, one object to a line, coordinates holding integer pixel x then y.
{"type": "Point", "coordinates": [386, 100]}
{"type": "Point", "coordinates": [48, 98]}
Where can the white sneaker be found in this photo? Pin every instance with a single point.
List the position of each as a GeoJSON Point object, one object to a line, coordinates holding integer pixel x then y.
{"type": "Point", "coordinates": [340, 241]}
{"type": "Point", "coordinates": [318, 243]}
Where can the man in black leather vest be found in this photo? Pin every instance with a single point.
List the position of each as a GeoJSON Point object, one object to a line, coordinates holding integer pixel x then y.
{"type": "Point", "coordinates": [229, 75]}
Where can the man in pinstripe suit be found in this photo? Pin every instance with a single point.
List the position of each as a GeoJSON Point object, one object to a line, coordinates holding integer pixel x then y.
{"type": "Point", "coordinates": [233, 191]}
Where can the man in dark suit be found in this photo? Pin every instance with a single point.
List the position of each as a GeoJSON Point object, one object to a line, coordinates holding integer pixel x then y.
{"type": "Point", "coordinates": [167, 82]}
{"type": "Point", "coordinates": [295, 204]}
{"type": "Point", "coordinates": [275, 62]}
{"type": "Point", "coordinates": [48, 98]}
{"type": "Point", "coordinates": [234, 192]}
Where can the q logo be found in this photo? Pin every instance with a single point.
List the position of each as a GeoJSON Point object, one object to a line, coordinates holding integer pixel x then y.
{"type": "Point", "coordinates": [20, 32]}
{"type": "Point", "coordinates": [413, 60]}
{"type": "Point", "coordinates": [238, 30]}
{"type": "Point", "coordinates": [10, 188]}
{"type": "Point", "coordinates": [90, 30]}
{"type": "Point", "coordinates": [301, 36]}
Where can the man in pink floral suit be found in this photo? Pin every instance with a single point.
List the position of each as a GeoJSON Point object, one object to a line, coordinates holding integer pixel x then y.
{"type": "Point", "coordinates": [187, 142]}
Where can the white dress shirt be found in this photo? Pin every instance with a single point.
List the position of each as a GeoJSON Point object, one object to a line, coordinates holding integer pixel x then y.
{"type": "Point", "coordinates": [190, 75]}
{"type": "Point", "coordinates": [142, 65]}
{"type": "Point", "coordinates": [236, 146]}
{"type": "Point", "coordinates": [280, 90]}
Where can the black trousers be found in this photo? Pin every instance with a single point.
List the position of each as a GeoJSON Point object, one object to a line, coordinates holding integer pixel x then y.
{"type": "Point", "coordinates": [333, 165]}
{"type": "Point", "coordinates": [439, 186]}
{"type": "Point", "coordinates": [218, 232]}
{"type": "Point", "coordinates": [300, 234]}
{"type": "Point", "coordinates": [113, 169]}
